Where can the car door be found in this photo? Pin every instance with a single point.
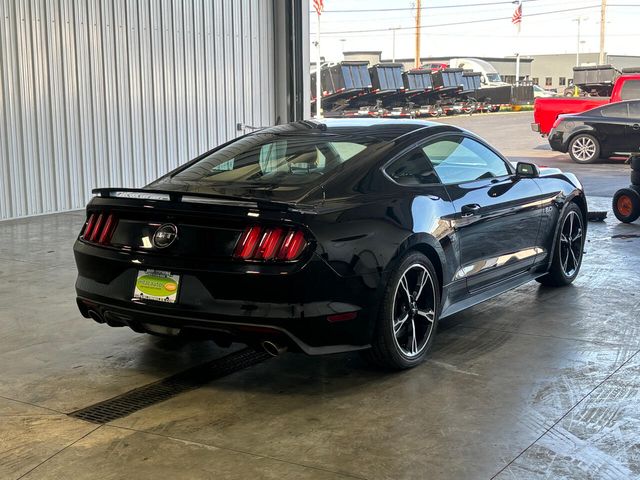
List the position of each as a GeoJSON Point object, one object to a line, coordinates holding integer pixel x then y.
{"type": "Point", "coordinates": [633, 126]}
{"type": "Point", "coordinates": [497, 215]}
{"type": "Point", "coordinates": [612, 128]}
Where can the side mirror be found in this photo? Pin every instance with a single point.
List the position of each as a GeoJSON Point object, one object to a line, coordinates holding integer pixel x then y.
{"type": "Point", "coordinates": [527, 170]}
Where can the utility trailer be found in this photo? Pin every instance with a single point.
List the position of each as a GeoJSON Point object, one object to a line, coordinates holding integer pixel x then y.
{"type": "Point", "coordinates": [466, 101]}
{"type": "Point", "coordinates": [448, 84]}
{"type": "Point", "coordinates": [385, 93]}
{"type": "Point", "coordinates": [420, 93]}
{"type": "Point", "coordinates": [341, 83]}
{"type": "Point", "coordinates": [494, 97]}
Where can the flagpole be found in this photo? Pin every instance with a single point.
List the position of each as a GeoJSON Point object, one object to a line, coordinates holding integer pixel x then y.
{"type": "Point", "coordinates": [518, 46]}
{"type": "Point", "coordinates": [318, 75]}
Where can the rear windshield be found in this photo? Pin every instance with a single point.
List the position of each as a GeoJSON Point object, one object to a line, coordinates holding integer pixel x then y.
{"type": "Point", "coordinates": [276, 159]}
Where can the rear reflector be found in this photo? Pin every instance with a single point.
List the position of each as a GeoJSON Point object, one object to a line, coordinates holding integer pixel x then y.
{"type": "Point", "coordinates": [342, 317]}
{"type": "Point", "coordinates": [270, 243]}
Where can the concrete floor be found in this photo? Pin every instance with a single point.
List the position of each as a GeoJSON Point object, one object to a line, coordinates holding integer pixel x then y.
{"type": "Point", "coordinates": [537, 383]}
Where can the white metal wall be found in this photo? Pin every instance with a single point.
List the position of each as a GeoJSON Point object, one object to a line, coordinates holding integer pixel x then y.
{"type": "Point", "coordinates": [100, 93]}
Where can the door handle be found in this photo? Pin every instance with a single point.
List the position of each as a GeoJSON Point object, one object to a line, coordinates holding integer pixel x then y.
{"type": "Point", "coordinates": [636, 126]}
{"type": "Point", "coordinates": [471, 209]}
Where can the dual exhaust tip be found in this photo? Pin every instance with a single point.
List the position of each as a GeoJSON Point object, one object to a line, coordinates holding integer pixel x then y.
{"type": "Point", "coordinates": [272, 348]}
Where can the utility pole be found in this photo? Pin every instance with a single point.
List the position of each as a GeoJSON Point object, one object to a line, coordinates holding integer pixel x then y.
{"type": "Point", "coordinates": [418, 20]}
{"type": "Point", "coordinates": [603, 19]}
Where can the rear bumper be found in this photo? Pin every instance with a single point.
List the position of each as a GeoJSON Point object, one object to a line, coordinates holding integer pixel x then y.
{"type": "Point", "coordinates": [298, 308]}
{"type": "Point", "coordinates": [556, 141]}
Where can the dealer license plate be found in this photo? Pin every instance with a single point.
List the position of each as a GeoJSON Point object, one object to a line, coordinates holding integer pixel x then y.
{"type": "Point", "coordinates": [156, 285]}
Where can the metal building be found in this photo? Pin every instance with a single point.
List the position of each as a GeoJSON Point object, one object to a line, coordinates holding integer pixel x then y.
{"type": "Point", "coordinates": [117, 92]}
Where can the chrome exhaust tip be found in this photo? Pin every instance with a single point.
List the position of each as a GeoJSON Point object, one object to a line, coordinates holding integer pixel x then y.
{"type": "Point", "coordinates": [273, 348]}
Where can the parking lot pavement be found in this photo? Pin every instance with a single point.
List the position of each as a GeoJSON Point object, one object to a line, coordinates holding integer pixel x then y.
{"type": "Point", "coordinates": [511, 133]}
{"type": "Point", "coordinates": [536, 383]}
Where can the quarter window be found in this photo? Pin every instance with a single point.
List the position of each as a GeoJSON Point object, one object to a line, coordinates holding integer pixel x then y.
{"type": "Point", "coordinates": [615, 110]}
{"type": "Point", "coordinates": [462, 159]}
{"type": "Point", "coordinates": [412, 169]}
{"type": "Point", "coordinates": [634, 110]}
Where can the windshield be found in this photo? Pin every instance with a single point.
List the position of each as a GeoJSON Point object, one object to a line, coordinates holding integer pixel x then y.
{"type": "Point", "coordinates": [494, 77]}
{"type": "Point", "coordinates": [275, 159]}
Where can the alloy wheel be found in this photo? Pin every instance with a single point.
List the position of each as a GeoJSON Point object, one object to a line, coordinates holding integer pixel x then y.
{"type": "Point", "coordinates": [571, 243]}
{"type": "Point", "coordinates": [413, 311]}
{"type": "Point", "coordinates": [584, 148]}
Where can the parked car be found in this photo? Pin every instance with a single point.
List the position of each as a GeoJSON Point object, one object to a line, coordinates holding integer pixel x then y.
{"type": "Point", "coordinates": [326, 237]}
{"type": "Point", "coordinates": [547, 110]}
{"type": "Point", "coordinates": [539, 92]}
{"type": "Point", "coordinates": [598, 133]}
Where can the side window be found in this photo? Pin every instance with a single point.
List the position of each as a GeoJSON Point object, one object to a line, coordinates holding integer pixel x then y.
{"type": "Point", "coordinates": [412, 169]}
{"type": "Point", "coordinates": [634, 110]}
{"type": "Point", "coordinates": [461, 159]}
{"type": "Point", "coordinates": [615, 110]}
{"type": "Point", "coordinates": [630, 90]}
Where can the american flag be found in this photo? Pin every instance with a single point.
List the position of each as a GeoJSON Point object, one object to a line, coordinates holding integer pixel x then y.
{"type": "Point", "coordinates": [318, 5]}
{"type": "Point", "coordinates": [517, 15]}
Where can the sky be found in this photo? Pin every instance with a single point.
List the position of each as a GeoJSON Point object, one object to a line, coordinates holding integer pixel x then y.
{"type": "Point", "coordinates": [542, 32]}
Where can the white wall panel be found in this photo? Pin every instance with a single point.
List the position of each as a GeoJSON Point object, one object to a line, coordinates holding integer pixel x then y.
{"type": "Point", "coordinates": [97, 93]}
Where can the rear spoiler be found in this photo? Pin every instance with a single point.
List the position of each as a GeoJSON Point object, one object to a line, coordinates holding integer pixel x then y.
{"type": "Point", "coordinates": [196, 197]}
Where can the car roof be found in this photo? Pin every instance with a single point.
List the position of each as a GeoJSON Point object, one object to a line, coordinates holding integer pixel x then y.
{"type": "Point", "coordinates": [385, 129]}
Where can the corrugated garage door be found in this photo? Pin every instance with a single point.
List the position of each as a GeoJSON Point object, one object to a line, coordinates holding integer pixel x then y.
{"type": "Point", "coordinates": [114, 93]}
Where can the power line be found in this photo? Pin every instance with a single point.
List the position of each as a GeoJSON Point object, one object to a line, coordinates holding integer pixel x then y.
{"type": "Point", "coordinates": [405, 9]}
{"type": "Point", "coordinates": [466, 22]}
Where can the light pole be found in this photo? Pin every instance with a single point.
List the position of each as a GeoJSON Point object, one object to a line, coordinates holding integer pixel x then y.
{"type": "Point", "coordinates": [393, 44]}
{"type": "Point", "coordinates": [579, 20]}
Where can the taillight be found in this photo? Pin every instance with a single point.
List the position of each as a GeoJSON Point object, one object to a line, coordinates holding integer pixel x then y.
{"type": "Point", "coordinates": [292, 246]}
{"type": "Point", "coordinates": [99, 228]}
{"type": "Point", "coordinates": [270, 243]}
{"type": "Point", "coordinates": [557, 122]}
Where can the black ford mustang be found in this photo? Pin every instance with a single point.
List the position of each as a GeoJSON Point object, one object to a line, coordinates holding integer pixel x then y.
{"type": "Point", "coordinates": [328, 237]}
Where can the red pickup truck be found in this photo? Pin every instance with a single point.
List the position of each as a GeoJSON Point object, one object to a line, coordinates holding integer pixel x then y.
{"type": "Point", "coordinates": [546, 110]}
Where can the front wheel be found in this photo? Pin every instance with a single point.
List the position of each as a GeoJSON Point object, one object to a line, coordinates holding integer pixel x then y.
{"type": "Point", "coordinates": [567, 255]}
{"type": "Point", "coordinates": [408, 316]}
{"type": "Point", "coordinates": [584, 148]}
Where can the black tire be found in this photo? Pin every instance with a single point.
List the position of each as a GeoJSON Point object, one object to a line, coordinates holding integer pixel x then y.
{"type": "Point", "coordinates": [626, 205]}
{"type": "Point", "coordinates": [388, 347]}
{"type": "Point", "coordinates": [635, 178]}
{"type": "Point", "coordinates": [567, 254]}
{"type": "Point", "coordinates": [584, 148]}
{"type": "Point", "coordinates": [635, 163]}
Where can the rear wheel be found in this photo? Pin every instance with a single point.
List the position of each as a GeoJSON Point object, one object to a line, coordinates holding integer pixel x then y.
{"type": "Point", "coordinates": [584, 148]}
{"type": "Point", "coordinates": [408, 317]}
{"type": "Point", "coordinates": [567, 255]}
{"type": "Point", "coordinates": [626, 205]}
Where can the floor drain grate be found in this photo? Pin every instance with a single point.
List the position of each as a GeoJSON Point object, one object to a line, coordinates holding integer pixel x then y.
{"type": "Point", "coordinates": [143, 397]}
